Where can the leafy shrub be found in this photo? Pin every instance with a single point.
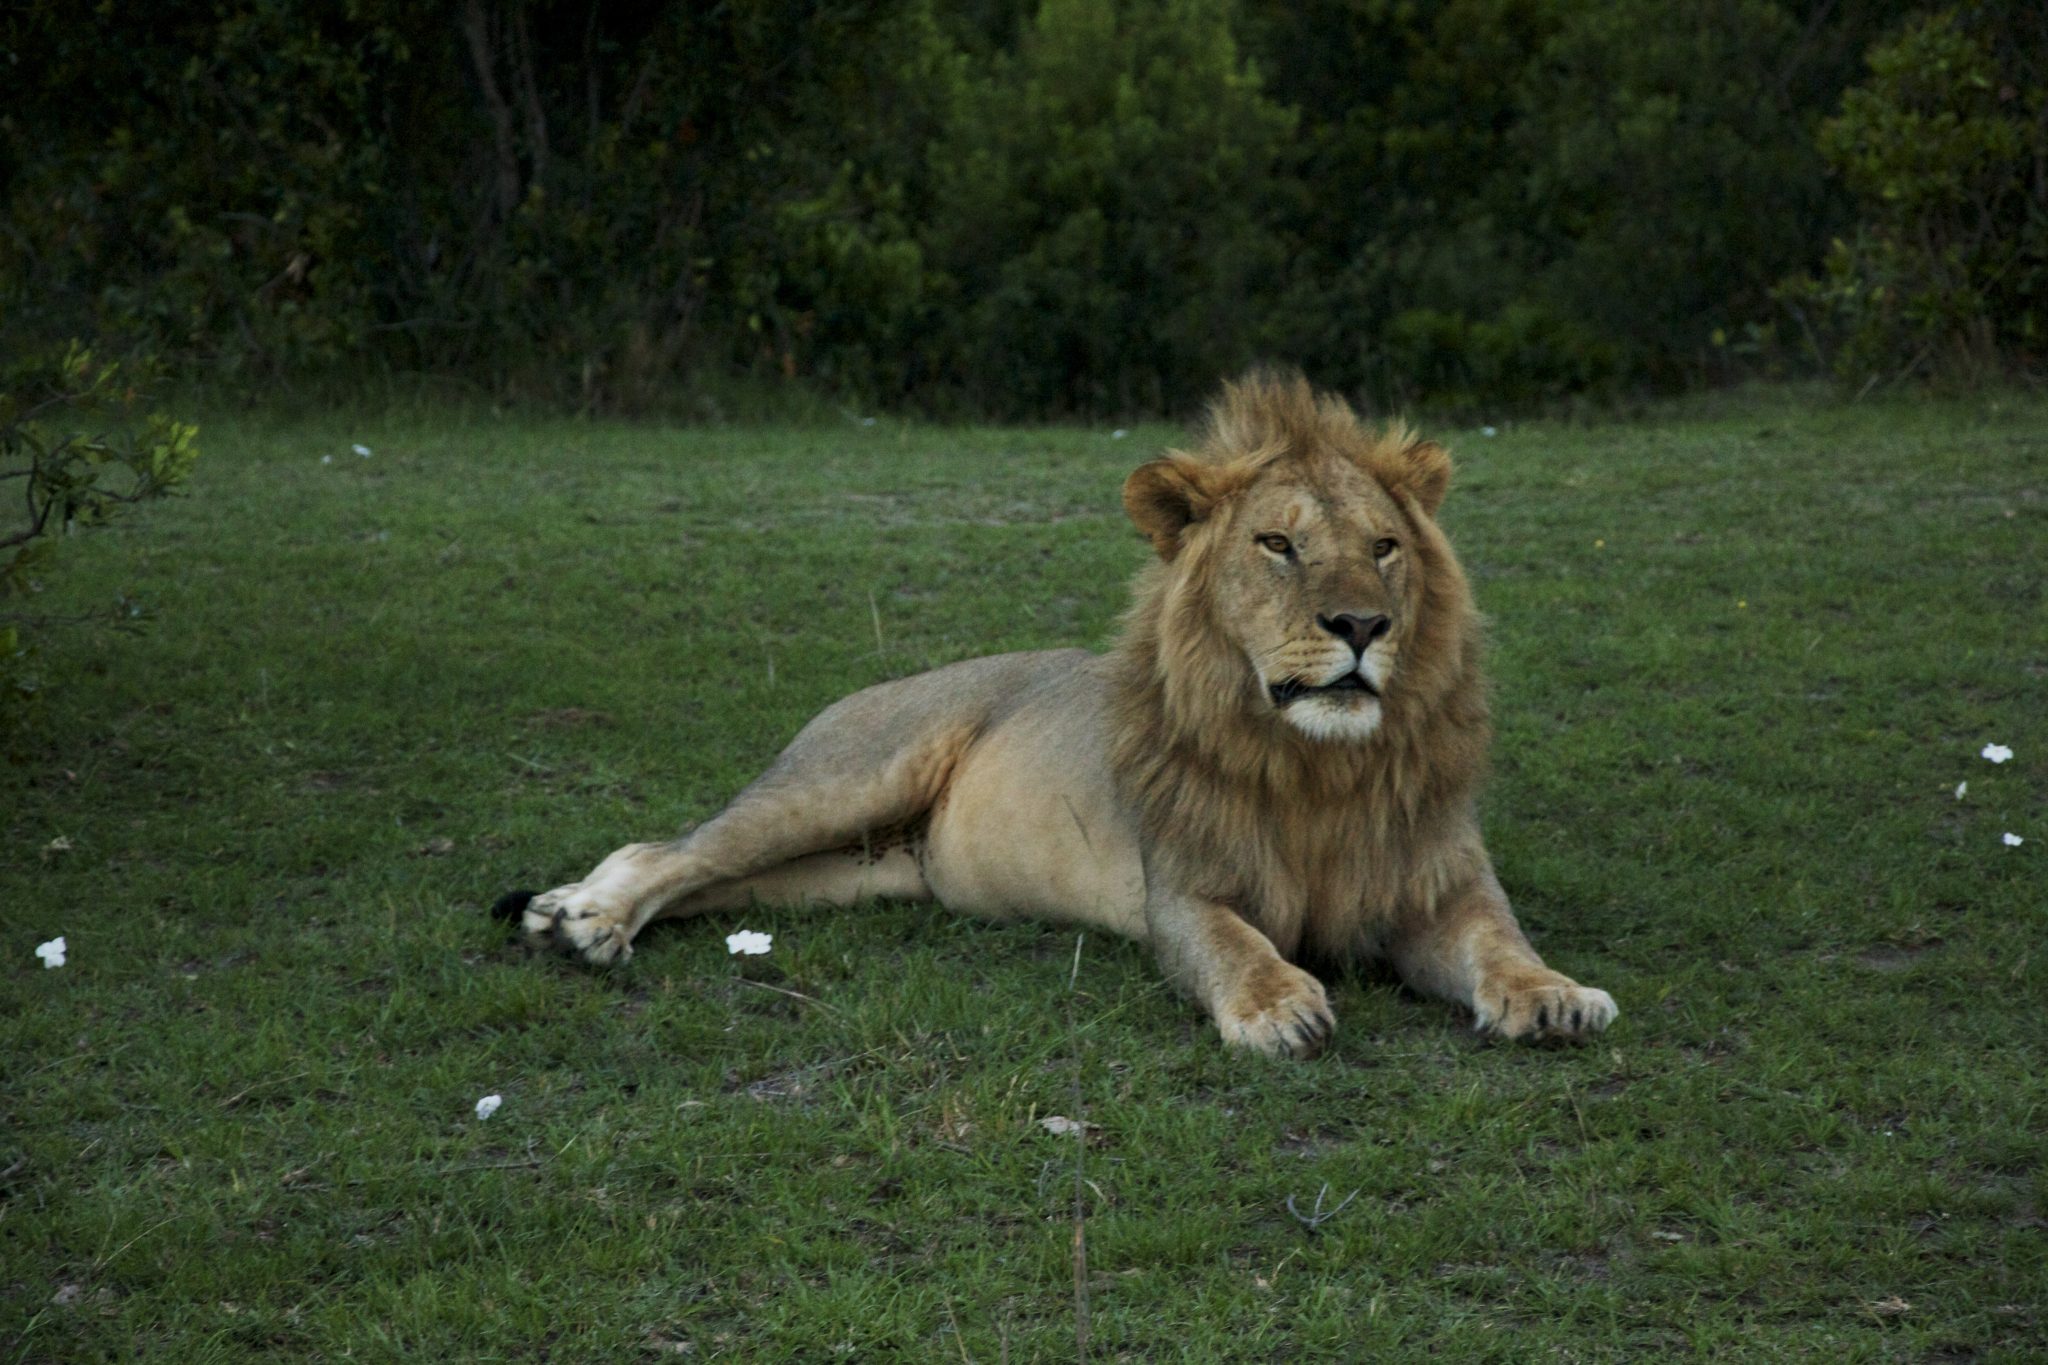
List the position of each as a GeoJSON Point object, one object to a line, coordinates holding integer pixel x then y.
{"type": "Point", "coordinates": [1668, 182]}
{"type": "Point", "coordinates": [1513, 200]}
{"type": "Point", "coordinates": [76, 450]}
{"type": "Point", "coordinates": [1945, 148]}
{"type": "Point", "coordinates": [1103, 211]}
{"type": "Point", "coordinates": [1527, 356]}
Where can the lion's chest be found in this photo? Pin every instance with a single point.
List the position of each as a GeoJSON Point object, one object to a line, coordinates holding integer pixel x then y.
{"type": "Point", "coordinates": [1326, 881]}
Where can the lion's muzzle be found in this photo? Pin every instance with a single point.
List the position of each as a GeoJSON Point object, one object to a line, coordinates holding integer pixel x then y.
{"type": "Point", "coordinates": [1294, 689]}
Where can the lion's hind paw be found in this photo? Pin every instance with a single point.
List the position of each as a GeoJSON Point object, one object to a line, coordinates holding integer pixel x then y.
{"type": "Point", "coordinates": [562, 921]}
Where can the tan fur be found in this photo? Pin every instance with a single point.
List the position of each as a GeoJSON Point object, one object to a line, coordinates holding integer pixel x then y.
{"type": "Point", "coordinates": [1278, 761]}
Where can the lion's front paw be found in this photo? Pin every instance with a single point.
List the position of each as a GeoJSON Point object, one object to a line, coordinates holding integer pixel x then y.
{"type": "Point", "coordinates": [1279, 1010]}
{"type": "Point", "coordinates": [1567, 1011]}
{"type": "Point", "coordinates": [570, 920]}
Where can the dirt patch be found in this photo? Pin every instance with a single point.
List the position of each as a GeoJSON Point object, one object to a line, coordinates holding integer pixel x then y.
{"type": "Point", "coordinates": [1892, 957]}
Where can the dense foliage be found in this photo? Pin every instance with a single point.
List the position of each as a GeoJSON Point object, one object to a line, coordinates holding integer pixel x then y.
{"type": "Point", "coordinates": [1016, 209]}
{"type": "Point", "coordinates": [1946, 148]}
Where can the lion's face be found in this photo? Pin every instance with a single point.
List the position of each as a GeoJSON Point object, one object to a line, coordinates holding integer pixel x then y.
{"type": "Point", "coordinates": [1308, 555]}
{"type": "Point", "coordinates": [1312, 583]}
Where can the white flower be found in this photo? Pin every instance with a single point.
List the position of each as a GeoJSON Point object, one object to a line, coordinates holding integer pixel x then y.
{"type": "Point", "coordinates": [361, 450]}
{"type": "Point", "coordinates": [1489, 431]}
{"type": "Point", "coordinates": [326, 459]}
{"type": "Point", "coordinates": [488, 1105]}
{"type": "Point", "coordinates": [748, 942]}
{"type": "Point", "coordinates": [52, 953]}
{"type": "Point", "coordinates": [1961, 787]}
{"type": "Point", "coordinates": [1059, 1125]}
{"type": "Point", "coordinates": [1118, 434]}
{"type": "Point", "coordinates": [2011, 841]}
{"type": "Point", "coordinates": [1997, 753]}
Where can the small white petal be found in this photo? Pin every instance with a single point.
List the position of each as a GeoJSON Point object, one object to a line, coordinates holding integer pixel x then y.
{"type": "Point", "coordinates": [1489, 431]}
{"type": "Point", "coordinates": [488, 1105]}
{"type": "Point", "coordinates": [1059, 1125]}
{"type": "Point", "coordinates": [326, 459]}
{"type": "Point", "coordinates": [748, 942]}
{"type": "Point", "coordinates": [1961, 787]}
{"type": "Point", "coordinates": [1997, 753]}
{"type": "Point", "coordinates": [1118, 434]}
{"type": "Point", "coordinates": [52, 953]}
{"type": "Point", "coordinates": [2013, 840]}
{"type": "Point", "coordinates": [363, 451]}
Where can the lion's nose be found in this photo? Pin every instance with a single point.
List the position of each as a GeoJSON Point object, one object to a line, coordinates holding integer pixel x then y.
{"type": "Point", "coordinates": [1356, 631]}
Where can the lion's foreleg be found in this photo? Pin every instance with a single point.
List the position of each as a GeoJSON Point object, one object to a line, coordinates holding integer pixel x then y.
{"type": "Point", "coordinates": [1472, 951]}
{"type": "Point", "coordinates": [1258, 999]}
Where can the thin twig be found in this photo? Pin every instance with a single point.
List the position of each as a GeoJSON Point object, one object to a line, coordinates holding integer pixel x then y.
{"type": "Point", "coordinates": [794, 995]}
{"type": "Point", "coordinates": [1315, 1218]}
{"type": "Point", "coordinates": [236, 1098]}
{"type": "Point", "coordinates": [526, 1165]}
{"type": "Point", "coordinates": [1080, 1149]}
{"type": "Point", "coordinates": [103, 1262]}
{"type": "Point", "coordinates": [954, 1323]}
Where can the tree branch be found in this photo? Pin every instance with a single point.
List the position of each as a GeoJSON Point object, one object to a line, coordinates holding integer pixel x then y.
{"type": "Point", "coordinates": [529, 90]}
{"type": "Point", "coordinates": [477, 29]}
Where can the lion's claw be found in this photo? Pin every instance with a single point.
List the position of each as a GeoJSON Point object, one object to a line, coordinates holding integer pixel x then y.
{"type": "Point", "coordinates": [1286, 1013]}
{"type": "Point", "coordinates": [1567, 1011]}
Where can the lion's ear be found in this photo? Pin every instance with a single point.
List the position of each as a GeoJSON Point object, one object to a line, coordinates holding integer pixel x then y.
{"type": "Point", "coordinates": [1164, 498]}
{"type": "Point", "coordinates": [1427, 473]}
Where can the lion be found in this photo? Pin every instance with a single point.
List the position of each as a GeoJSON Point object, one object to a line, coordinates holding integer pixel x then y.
{"type": "Point", "coordinates": [1276, 763]}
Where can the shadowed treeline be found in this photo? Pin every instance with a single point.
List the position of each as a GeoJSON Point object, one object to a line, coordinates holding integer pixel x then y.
{"type": "Point", "coordinates": [1013, 210]}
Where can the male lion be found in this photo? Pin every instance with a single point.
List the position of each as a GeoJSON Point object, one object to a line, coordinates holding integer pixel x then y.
{"type": "Point", "coordinates": [1278, 760]}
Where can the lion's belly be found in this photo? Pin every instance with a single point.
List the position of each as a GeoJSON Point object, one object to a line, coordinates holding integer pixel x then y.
{"type": "Point", "coordinates": [1029, 826]}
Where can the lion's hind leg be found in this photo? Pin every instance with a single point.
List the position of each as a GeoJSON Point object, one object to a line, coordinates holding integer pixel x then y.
{"type": "Point", "coordinates": [836, 817]}
{"type": "Point", "coordinates": [577, 923]}
{"type": "Point", "coordinates": [791, 844]}
{"type": "Point", "coordinates": [839, 877]}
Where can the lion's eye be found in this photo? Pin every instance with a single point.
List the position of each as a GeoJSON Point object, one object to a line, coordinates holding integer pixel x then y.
{"type": "Point", "coordinates": [1278, 544]}
{"type": "Point", "coordinates": [1384, 546]}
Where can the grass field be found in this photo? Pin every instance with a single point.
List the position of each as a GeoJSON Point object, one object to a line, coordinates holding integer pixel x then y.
{"type": "Point", "coordinates": [1743, 651]}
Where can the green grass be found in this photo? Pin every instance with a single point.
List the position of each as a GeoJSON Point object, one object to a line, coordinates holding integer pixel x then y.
{"type": "Point", "coordinates": [1743, 653]}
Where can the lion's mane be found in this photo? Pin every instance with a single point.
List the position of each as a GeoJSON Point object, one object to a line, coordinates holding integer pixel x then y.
{"type": "Point", "coordinates": [1311, 841]}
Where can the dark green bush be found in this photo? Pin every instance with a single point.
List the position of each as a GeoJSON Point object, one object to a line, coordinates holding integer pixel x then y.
{"type": "Point", "coordinates": [1016, 209]}
{"type": "Point", "coordinates": [1668, 181]}
{"type": "Point", "coordinates": [1103, 210]}
{"type": "Point", "coordinates": [557, 200]}
{"type": "Point", "coordinates": [1945, 148]}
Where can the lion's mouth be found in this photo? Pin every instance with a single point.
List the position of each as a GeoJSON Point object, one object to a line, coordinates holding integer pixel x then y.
{"type": "Point", "coordinates": [1294, 689]}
